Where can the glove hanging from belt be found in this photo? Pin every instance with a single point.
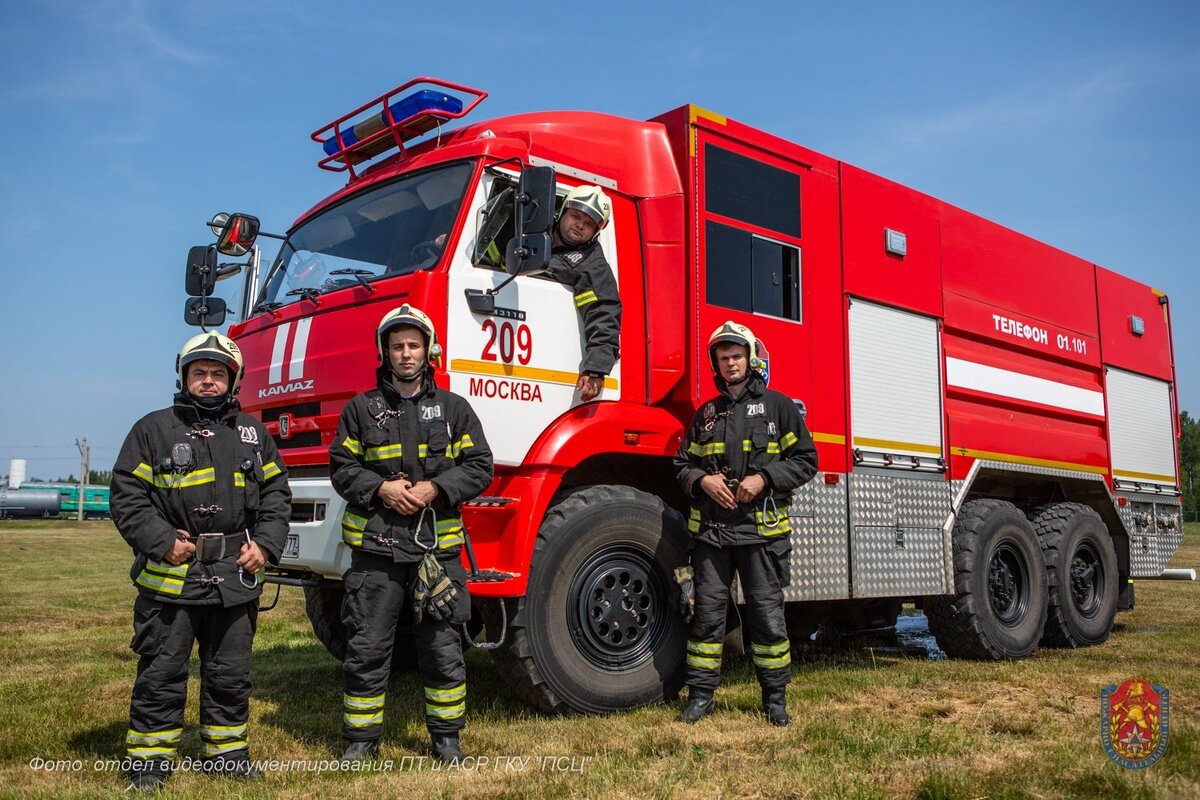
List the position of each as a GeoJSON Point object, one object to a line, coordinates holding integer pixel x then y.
{"type": "Point", "coordinates": [687, 592]}
{"type": "Point", "coordinates": [433, 593]}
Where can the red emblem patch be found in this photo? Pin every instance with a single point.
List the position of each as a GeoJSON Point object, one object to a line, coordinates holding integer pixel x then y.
{"type": "Point", "coordinates": [1134, 722]}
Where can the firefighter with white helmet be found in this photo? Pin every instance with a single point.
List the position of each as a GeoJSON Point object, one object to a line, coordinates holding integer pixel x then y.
{"type": "Point", "coordinates": [201, 495]}
{"type": "Point", "coordinates": [577, 259]}
{"type": "Point", "coordinates": [744, 453]}
{"type": "Point", "coordinates": [406, 455]}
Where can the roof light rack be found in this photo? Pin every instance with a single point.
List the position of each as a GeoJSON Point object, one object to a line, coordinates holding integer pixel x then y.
{"type": "Point", "coordinates": [390, 120]}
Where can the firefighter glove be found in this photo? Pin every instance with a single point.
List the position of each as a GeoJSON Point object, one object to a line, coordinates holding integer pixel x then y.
{"type": "Point", "coordinates": [434, 593]}
{"type": "Point", "coordinates": [687, 592]}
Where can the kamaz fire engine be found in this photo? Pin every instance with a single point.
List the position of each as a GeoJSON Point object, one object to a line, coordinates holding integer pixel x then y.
{"type": "Point", "coordinates": [996, 419]}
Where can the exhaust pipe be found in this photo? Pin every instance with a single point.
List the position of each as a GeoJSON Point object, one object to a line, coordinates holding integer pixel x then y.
{"type": "Point", "coordinates": [1188, 574]}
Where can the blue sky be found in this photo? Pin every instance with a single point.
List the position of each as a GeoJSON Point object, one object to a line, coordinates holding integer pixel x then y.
{"type": "Point", "coordinates": [128, 123]}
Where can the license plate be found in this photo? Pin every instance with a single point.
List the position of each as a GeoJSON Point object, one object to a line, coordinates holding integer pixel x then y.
{"type": "Point", "coordinates": [292, 548]}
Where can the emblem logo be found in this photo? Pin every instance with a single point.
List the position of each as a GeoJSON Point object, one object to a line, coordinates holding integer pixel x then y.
{"type": "Point", "coordinates": [1133, 722]}
{"type": "Point", "coordinates": [285, 426]}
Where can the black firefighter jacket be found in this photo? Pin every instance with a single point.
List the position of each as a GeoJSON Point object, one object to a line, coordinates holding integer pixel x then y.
{"type": "Point", "coordinates": [587, 272]}
{"type": "Point", "coordinates": [762, 431]}
{"type": "Point", "coordinates": [437, 438]}
{"type": "Point", "coordinates": [234, 482]}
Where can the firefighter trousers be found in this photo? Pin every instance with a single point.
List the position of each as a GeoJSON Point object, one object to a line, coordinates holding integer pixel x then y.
{"type": "Point", "coordinates": [758, 571]}
{"type": "Point", "coordinates": [378, 595]}
{"type": "Point", "coordinates": [163, 634]}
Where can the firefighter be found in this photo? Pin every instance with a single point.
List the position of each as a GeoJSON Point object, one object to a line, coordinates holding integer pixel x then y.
{"type": "Point", "coordinates": [200, 494]}
{"type": "Point", "coordinates": [406, 455]}
{"type": "Point", "coordinates": [577, 260]}
{"type": "Point", "coordinates": [745, 452]}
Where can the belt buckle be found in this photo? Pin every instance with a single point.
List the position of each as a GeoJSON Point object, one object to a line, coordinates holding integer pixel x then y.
{"type": "Point", "coordinates": [210, 547]}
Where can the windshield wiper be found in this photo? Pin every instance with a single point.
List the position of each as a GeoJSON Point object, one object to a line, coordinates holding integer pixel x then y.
{"type": "Point", "coordinates": [357, 274]}
{"type": "Point", "coordinates": [267, 305]}
{"type": "Point", "coordinates": [306, 293]}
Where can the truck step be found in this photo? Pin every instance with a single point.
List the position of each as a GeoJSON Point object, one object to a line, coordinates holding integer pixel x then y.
{"type": "Point", "coordinates": [489, 502]}
{"type": "Point", "coordinates": [490, 576]}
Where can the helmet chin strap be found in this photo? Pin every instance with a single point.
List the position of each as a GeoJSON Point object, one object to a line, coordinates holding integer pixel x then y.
{"type": "Point", "coordinates": [745, 377]}
{"type": "Point", "coordinates": [416, 376]}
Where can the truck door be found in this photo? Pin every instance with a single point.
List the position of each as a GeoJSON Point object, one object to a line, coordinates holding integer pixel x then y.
{"type": "Point", "coordinates": [750, 255]}
{"type": "Point", "coordinates": [519, 366]}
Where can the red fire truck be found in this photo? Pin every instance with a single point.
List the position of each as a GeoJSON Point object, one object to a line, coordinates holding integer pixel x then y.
{"type": "Point", "coordinates": [996, 419]}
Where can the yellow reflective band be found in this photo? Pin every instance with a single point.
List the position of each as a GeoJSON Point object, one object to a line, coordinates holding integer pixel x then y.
{"type": "Point", "coordinates": [708, 648]}
{"type": "Point", "coordinates": [464, 443]}
{"type": "Point", "coordinates": [446, 695]}
{"type": "Point", "coordinates": [222, 731]}
{"type": "Point", "coordinates": [788, 440]}
{"type": "Point", "coordinates": [694, 520]}
{"type": "Point", "coordinates": [710, 449]}
{"type": "Point", "coordinates": [149, 752]}
{"type": "Point", "coordinates": [772, 448]}
{"type": "Point", "coordinates": [197, 478]}
{"type": "Point", "coordinates": [239, 480]}
{"type": "Point", "coordinates": [583, 298]}
{"type": "Point", "coordinates": [210, 749]}
{"type": "Point", "coordinates": [782, 661]}
{"type": "Point", "coordinates": [385, 452]}
{"type": "Point", "coordinates": [169, 736]}
{"type": "Point", "coordinates": [449, 533]}
{"type": "Point", "coordinates": [772, 524]}
{"type": "Point", "coordinates": [270, 470]}
{"type": "Point", "coordinates": [353, 445]}
{"type": "Point", "coordinates": [352, 529]}
{"type": "Point", "coordinates": [163, 578]}
{"type": "Point", "coordinates": [366, 703]}
{"type": "Point", "coordinates": [144, 472]}
{"type": "Point", "coordinates": [770, 649]}
{"type": "Point", "coordinates": [445, 712]}
{"type": "Point", "coordinates": [701, 662]}
{"type": "Point", "coordinates": [362, 720]}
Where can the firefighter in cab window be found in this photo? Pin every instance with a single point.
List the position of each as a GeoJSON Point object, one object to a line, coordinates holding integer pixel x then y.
{"type": "Point", "coordinates": [745, 452]}
{"type": "Point", "coordinates": [201, 495]}
{"type": "Point", "coordinates": [406, 455]}
{"type": "Point", "coordinates": [577, 260]}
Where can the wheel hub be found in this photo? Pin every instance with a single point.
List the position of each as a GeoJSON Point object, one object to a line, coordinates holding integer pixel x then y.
{"type": "Point", "coordinates": [1087, 580]}
{"type": "Point", "coordinates": [619, 608]}
{"type": "Point", "coordinates": [1008, 584]}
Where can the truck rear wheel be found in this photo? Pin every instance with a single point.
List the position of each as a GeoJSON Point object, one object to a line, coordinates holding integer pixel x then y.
{"type": "Point", "coordinates": [323, 604]}
{"type": "Point", "coordinates": [999, 606]}
{"type": "Point", "coordinates": [597, 630]}
{"type": "Point", "coordinates": [1081, 571]}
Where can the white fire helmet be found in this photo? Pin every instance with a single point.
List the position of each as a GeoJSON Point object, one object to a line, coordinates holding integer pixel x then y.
{"type": "Point", "coordinates": [590, 200]}
{"type": "Point", "coordinates": [736, 333]}
{"type": "Point", "coordinates": [211, 347]}
{"type": "Point", "coordinates": [414, 317]}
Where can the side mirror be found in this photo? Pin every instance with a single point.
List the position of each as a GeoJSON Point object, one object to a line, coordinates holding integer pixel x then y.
{"type": "Point", "coordinates": [535, 194]}
{"type": "Point", "coordinates": [201, 273]}
{"type": "Point", "coordinates": [207, 312]}
{"type": "Point", "coordinates": [235, 233]}
{"type": "Point", "coordinates": [527, 254]}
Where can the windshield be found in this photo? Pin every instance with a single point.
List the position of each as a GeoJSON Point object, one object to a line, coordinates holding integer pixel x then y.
{"type": "Point", "coordinates": [393, 229]}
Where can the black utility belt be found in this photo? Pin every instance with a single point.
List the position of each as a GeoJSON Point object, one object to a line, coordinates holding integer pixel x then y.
{"type": "Point", "coordinates": [212, 547]}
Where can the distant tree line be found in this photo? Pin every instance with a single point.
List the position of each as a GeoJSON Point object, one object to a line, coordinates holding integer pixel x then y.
{"type": "Point", "coordinates": [1189, 460]}
{"type": "Point", "coordinates": [98, 477]}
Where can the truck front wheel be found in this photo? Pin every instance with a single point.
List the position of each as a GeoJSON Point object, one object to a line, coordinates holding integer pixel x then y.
{"type": "Point", "coordinates": [999, 606]}
{"type": "Point", "coordinates": [597, 630]}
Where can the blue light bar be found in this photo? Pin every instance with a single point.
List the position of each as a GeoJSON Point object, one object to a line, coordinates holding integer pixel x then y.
{"type": "Point", "coordinates": [402, 109]}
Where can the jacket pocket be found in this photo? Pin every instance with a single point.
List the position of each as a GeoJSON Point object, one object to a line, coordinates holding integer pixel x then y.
{"type": "Point", "coordinates": [434, 455]}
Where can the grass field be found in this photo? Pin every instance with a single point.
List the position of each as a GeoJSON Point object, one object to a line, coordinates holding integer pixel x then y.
{"type": "Point", "coordinates": [868, 723]}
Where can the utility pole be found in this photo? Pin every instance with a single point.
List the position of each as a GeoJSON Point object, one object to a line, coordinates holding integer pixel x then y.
{"type": "Point", "coordinates": [84, 467]}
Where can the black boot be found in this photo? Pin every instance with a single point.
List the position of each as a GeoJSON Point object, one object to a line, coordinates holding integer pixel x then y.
{"type": "Point", "coordinates": [445, 747]}
{"type": "Point", "coordinates": [699, 705]}
{"type": "Point", "coordinates": [146, 777]}
{"type": "Point", "coordinates": [367, 750]}
{"type": "Point", "coordinates": [774, 703]}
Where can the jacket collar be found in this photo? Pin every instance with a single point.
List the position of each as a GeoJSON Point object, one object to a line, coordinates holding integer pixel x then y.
{"type": "Point", "coordinates": [190, 413]}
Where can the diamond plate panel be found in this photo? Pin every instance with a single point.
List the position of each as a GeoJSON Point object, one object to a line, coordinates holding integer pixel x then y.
{"type": "Point", "coordinates": [820, 563]}
{"type": "Point", "coordinates": [1155, 532]}
{"type": "Point", "coordinates": [898, 545]}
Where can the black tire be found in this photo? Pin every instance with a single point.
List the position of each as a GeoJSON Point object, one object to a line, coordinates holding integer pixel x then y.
{"type": "Point", "coordinates": [597, 630]}
{"type": "Point", "coordinates": [323, 604]}
{"type": "Point", "coordinates": [1081, 572]}
{"type": "Point", "coordinates": [998, 610]}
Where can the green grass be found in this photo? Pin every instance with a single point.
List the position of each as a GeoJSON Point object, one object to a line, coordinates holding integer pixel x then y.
{"type": "Point", "coordinates": [868, 724]}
